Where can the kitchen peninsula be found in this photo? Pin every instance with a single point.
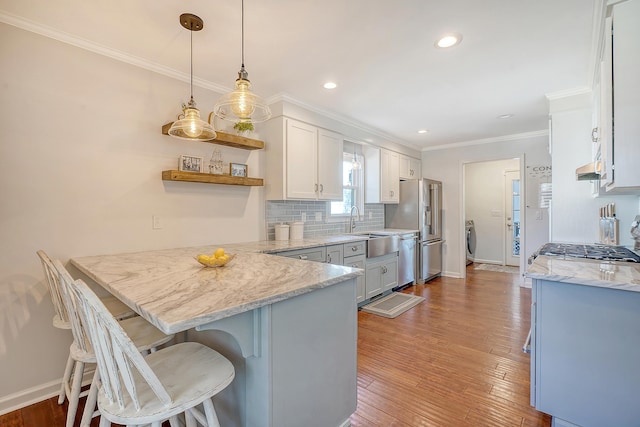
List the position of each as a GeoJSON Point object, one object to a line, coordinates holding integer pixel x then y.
{"type": "Point", "coordinates": [585, 341]}
{"type": "Point", "coordinates": [288, 326]}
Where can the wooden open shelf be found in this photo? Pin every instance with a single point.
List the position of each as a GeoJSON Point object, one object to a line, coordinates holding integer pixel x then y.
{"type": "Point", "coordinates": [207, 178]}
{"type": "Point", "coordinates": [228, 140]}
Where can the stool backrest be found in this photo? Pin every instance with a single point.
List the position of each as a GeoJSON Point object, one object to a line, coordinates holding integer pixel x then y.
{"type": "Point", "coordinates": [51, 277]}
{"type": "Point", "coordinates": [80, 337]}
{"type": "Point", "coordinates": [117, 356]}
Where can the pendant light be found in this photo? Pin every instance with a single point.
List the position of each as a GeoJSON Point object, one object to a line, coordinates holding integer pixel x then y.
{"type": "Point", "coordinates": [242, 105]}
{"type": "Point", "coordinates": [190, 125]}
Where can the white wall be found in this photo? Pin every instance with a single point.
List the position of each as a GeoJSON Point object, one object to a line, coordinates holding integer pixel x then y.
{"type": "Point", "coordinates": [484, 203]}
{"type": "Point", "coordinates": [82, 155]}
{"type": "Point", "coordinates": [575, 212]}
{"type": "Point", "coordinates": [446, 165]}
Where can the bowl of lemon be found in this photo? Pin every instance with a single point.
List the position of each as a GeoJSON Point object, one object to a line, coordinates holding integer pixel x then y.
{"type": "Point", "coordinates": [218, 259]}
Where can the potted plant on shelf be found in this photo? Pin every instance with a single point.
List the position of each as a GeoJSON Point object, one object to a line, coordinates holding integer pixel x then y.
{"type": "Point", "coordinates": [243, 128]}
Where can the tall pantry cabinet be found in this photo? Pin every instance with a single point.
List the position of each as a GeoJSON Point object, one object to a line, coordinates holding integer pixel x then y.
{"type": "Point", "coordinates": [304, 162]}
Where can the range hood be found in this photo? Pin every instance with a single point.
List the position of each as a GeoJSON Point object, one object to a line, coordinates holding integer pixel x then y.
{"type": "Point", "coordinates": [589, 172]}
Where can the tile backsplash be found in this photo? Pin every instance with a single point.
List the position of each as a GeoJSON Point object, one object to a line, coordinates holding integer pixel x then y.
{"type": "Point", "coordinates": [287, 211]}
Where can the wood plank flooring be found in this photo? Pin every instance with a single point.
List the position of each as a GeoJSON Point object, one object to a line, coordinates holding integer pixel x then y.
{"type": "Point", "coordinates": [453, 360]}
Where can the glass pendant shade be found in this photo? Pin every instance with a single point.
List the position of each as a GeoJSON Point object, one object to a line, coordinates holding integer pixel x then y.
{"type": "Point", "coordinates": [242, 105]}
{"type": "Point", "coordinates": [191, 126]}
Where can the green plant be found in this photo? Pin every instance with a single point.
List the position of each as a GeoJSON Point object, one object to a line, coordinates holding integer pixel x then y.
{"type": "Point", "coordinates": [243, 126]}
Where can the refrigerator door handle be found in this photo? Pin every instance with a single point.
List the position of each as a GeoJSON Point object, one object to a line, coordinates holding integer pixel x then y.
{"type": "Point", "coordinates": [436, 207]}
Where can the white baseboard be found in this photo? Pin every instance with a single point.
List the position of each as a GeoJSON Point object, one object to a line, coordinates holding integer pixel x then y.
{"type": "Point", "coordinates": [29, 396]}
{"type": "Point", "coordinates": [452, 274]}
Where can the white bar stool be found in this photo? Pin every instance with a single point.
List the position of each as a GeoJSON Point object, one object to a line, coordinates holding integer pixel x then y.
{"type": "Point", "coordinates": [139, 390]}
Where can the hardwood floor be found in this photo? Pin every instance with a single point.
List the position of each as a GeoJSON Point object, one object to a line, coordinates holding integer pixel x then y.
{"type": "Point", "coordinates": [454, 360]}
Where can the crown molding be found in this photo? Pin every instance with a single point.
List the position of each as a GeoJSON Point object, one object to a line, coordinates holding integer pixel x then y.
{"type": "Point", "coordinates": [341, 119]}
{"type": "Point", "coordinates": [552, 96]}
{"type": "Point", "coordinates": [513, 137]}
{"type": "Point", "coordinates": [73, 40]}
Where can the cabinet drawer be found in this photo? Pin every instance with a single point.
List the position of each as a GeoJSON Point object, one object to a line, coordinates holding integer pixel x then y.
{"type": "Point", "coordinates": [355, 248]}
{"type": "Point", "coordinates": [318, 254]}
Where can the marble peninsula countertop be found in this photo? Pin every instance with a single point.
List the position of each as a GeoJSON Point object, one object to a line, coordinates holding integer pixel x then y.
{"type": "Point", "coordinates": [174, 292]}
{"type": "Point", "coordinates": [604, 274]}
{"type": "Point", "coordinates": [275, 246]}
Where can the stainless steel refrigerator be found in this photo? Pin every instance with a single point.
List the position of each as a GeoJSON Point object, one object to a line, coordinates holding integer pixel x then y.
{"type": "Point", "coordinates": [420, 208]}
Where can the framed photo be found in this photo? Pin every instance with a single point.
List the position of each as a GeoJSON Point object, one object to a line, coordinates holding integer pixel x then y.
{"type": "Point", "coordinates": [238, 169]}
{"type": "Point", "coordinates": [190, 164]}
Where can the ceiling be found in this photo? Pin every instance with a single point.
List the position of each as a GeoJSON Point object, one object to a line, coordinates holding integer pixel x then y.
{"type": "Point", "coordinates": [381, 54]}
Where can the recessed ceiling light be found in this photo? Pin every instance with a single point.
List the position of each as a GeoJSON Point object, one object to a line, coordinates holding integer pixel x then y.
{"type": "Point", "coordinates": [448, 40]}
{"type": "Point", "coordinates": [423, 131]}
{"type": "Point", "coordinates": [330, 85]}
{"type": "Point", "coordinates": [505, 116]}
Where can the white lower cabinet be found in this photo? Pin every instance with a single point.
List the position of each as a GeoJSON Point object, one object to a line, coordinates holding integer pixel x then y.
{"type": "Point", "coordinates": [335, 254]}
{"type": "Point", "coordinates": [318, 254]}
{"type": "Point", "coordinates": [381, 274]}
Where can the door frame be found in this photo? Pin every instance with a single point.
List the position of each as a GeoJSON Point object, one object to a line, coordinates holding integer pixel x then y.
{"type": "Point", "coordinates": [462, 255]}
{"type": "Point", "coordinates": [505, 247]}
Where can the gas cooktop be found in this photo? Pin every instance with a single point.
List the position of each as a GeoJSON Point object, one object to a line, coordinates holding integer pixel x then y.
{"type": "Point", "coordinates": [596, 252]}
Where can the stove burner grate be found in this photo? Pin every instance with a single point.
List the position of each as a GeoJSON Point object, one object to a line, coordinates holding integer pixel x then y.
{"type": "Point", "coordinates": [597, 252]}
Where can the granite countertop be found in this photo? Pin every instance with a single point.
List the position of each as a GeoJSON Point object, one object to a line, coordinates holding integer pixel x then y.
{"type": "Point", "coordinates": [174, 292]}
{"type": "Point", "coordinates": [604, 274]}
{"type": "Point", "coordinates": [275, 246]}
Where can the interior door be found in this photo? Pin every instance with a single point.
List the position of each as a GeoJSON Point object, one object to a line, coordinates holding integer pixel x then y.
{"type": "Point", "coordinates": [512, 218]}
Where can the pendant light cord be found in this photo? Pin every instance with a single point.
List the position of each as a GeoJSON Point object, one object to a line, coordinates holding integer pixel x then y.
{"type": "Point", "coordinates": [242, 26]}
{"type": "Point", "coordinates": [191, 30]}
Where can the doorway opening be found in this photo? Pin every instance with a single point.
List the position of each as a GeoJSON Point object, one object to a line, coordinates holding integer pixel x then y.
{"type": "Point", "coordinates": [492, 202]}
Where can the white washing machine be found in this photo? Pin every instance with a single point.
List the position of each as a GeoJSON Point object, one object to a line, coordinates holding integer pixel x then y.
{"type": "Point", "coordinates": [470, 232]}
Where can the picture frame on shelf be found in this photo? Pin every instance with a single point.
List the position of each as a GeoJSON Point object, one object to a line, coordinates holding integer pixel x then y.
{"type": "Point", "coordinates": [238, 169]}
{"type": "Point", "coordinates": [190, 163]}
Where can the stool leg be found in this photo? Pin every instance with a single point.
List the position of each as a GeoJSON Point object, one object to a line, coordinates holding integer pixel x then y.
{"type": "Point", "coordinates": [75, 393]}
{"type": "Point", "coordinates": [209, 410]}
{"type": "Point", "coordinates": [190, 421]}
{"type": "Point", "coordinates": [92, 397]}
{"type": "Point", "coordinates": [104, 422]}
{"type": "Point", "coordinates": [65, 380]}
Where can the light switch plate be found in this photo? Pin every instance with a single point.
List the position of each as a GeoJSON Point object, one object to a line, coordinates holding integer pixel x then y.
{"type": "Point", "coordinates": [303, 216]}
{"type": "Point", "coordinates": [156, 224]}
{"type": "Point", "coordinates": [318, 216]}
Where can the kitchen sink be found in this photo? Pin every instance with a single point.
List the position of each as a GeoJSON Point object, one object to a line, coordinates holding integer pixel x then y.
{"type": "Point", "coordinates": [380, 244]}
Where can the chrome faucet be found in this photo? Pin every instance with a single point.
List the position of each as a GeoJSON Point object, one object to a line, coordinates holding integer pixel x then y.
{"type": "Point", "coordinates": [352, 221]}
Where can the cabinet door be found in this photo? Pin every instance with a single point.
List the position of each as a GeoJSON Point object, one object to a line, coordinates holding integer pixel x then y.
{"type": "Point", "coordinates": [390, 178]}
{"type": "Point", "coordinates": [409, 168]}
{"type": "Point", "coordinates": [373, 280]}
{"type": "Point", "coordinates": [302, 160]}
{"type": "Point", "coordinates": [389, 272]}
{"type": "Point", "coordinates": [357, 262]}
{"type": "Point", "coordinates": [330, 146]}
{"type": "Point", "coordinates": [334, 254]}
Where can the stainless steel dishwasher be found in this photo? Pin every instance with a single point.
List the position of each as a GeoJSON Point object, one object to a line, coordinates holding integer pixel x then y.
{"type": "Point", "coordinates": [407, 259]}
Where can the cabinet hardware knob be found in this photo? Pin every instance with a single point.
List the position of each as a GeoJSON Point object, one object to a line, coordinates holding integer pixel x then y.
{"type": "Point", "coordinates": [329, 258]}
{"type": "Point", "coordinates": [321, 188]}
{"type": "Point", "coordinates": [354, 248]}
{"type": "Point", "coordinates": [302, 256]}
{"type": "Point", "coordinates": [316, 188]}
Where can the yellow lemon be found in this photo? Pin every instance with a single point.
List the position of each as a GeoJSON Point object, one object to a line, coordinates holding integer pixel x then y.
{"type": "Point", "coordinates": [224, 258]}
{"type": "Point", "coordinates": [219, 253]}
{"type": "Point", "coordinates": [204, 259]}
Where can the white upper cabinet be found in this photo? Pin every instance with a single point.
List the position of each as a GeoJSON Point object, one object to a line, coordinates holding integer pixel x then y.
{"type": "Point", "coordinates": [382, 179]}
{"type": "Point", "coordinates": [620, 99]}
{"type": "Point", "coordinates": [410, 168]}
{"type": "Point", "coordinates": [303, 161]}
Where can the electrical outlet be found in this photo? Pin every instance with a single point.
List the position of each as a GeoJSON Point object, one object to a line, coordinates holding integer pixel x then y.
{"type": "Point", "coordinates": [370, 215]}
{"type": "Point", "coordinates": [303, 216]}
{"type": "Point", "coordinates": [318, 216]}
{"type": "Point", "coordinates": [539, 215]}
{"type": "Point", "coordinates": [156, 224]}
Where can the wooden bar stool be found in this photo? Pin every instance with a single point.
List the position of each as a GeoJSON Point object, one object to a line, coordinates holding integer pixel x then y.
{"type": "Point", "coordinates": [61, 319]}
{"type": "Point", "coordinates": [145, 336]}
{"type": "Point", "coordinates": [139, 390]}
